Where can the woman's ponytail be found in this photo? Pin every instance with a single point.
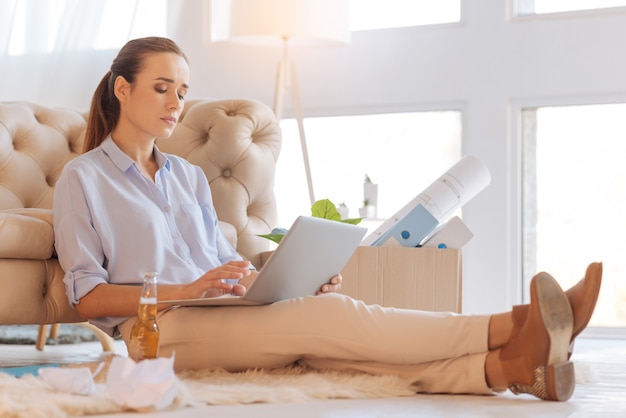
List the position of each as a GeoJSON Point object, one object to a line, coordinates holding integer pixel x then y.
{"type": "Point", "coordinates": [103, 114]}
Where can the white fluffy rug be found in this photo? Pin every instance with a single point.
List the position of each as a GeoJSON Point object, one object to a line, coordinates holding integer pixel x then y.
{"type": "Point", "coordinates": [31, 397]}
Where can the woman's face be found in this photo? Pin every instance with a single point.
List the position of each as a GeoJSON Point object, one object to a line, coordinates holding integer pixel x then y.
{"type": "Point", "coordinates": [151, 106]}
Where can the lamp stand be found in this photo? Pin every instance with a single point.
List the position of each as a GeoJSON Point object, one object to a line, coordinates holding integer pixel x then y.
{"type": "Point", "coordinates": [286, 79]}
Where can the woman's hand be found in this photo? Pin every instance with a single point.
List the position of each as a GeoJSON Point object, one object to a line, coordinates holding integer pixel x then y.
{"type": "Point", "coordinates": [333, 285]}
{"type": "Point", "coordinates": [211, 283]}
{"type": "Point", "coordinates": [121, 300]}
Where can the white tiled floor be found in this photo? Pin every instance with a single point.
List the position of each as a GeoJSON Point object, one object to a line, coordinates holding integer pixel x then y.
{"type": "Point", "coordinates": [602, 363]}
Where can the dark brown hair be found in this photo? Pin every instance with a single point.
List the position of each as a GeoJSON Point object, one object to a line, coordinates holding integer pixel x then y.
{"type": "Point", "coordinates": [105, 108]}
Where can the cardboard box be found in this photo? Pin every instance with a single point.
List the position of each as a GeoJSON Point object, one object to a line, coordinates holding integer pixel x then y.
{"type": "Point", "coordinates": [416, 278]}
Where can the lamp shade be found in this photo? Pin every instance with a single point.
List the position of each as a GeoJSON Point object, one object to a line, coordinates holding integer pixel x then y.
{"type": "Point", "coordinates": [269, 22]}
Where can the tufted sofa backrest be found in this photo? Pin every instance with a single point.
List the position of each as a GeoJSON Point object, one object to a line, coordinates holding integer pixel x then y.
{"type": "Point", "coordinates": [35, 144]}
{"type": "Point", "coordinates": [235, 142]}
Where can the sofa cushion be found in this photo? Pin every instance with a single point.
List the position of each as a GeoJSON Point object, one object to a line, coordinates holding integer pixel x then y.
{"type": "Point", "coordinates": [26, 234]}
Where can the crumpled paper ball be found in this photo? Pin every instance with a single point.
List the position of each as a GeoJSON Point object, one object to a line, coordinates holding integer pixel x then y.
{"type": "Point", "coordinates": [77, 381]}
{"type": "Point", "coordinates": [147, 384]}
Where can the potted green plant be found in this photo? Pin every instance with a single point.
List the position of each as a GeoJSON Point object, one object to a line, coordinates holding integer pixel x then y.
{"type": "Point", "coordinates": [321, 209]}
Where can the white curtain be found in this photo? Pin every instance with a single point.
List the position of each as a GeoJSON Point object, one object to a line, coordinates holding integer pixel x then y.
{"type": "Point", "coordinates": [7, 17]}
{"type": "Point", "coordinates": [54, 52]}
{"type": "Point", "coordinates": [79, 25]}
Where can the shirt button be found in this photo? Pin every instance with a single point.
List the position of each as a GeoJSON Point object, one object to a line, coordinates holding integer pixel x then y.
{"type": "Point", "coordinates": [166, 209]}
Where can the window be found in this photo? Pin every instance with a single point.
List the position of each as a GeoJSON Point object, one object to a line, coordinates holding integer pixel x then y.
{"type": "Point", "coordinates": [383, 14]}
{"type": "Point", "coordinates": [123, 20]}
{"type": "Point", "coordinates": [402, 152]}
{"type": "Point", "coordinates": [364, 15]}
{"type": "Point", "coordinates": [528, 7]}
{"type": "Point", "coordinates": [61, 25]}
{"type": "Point", "coordinates": [574, 199]}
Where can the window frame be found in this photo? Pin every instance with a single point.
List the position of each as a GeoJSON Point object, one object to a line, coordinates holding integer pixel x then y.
{"type": "Point", "coordinates": [521, 289]}
{"type": "Point", "coordinates": [513, 15]}
{"type": "Point", "coordinates": [462, 19]}
{"type": "Point", "coordinates": [452, 106]}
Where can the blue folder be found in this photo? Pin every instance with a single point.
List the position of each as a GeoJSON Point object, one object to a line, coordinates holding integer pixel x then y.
{"type": "Point", "coordinates": [409, 231]}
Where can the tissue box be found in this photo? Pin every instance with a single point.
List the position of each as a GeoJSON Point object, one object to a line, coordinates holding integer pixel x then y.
{"type": "Point", "coordinates": [415, 278]}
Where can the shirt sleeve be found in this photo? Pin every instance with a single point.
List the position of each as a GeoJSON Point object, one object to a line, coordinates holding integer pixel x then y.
{"type": "Point", "coordinates": [77, 244]}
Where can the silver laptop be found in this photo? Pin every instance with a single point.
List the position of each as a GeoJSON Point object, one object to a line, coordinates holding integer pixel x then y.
{"type": "Point", "coordinates": [309, 255]}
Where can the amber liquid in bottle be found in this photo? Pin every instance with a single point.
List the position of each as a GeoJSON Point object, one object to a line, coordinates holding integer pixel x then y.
{"type": "Point", "coordinates": [144, 336]}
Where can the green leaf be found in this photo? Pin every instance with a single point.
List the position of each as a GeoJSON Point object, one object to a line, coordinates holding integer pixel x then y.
{"type": "Point", "coordinates": [276, 235]}
{"type": "Point", "coordinates": [352, 221]}
{"type": "Point", "coordinates": [273, 237]}
{"type": "Point", "coordinates": [325, 209]}
{"type": "Point", "coordinates": [321, 209]}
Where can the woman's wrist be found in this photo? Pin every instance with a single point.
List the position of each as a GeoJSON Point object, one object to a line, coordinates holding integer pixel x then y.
{"type": "Point", "coordinates": [171, 292]}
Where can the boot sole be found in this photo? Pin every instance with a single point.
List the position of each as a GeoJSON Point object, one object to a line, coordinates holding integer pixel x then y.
{"type": "Point", "coordinates": [558, 320]}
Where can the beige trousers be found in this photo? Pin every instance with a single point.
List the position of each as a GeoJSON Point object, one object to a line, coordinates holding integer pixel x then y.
{"type": "Point", "coordinates": [440, 352]}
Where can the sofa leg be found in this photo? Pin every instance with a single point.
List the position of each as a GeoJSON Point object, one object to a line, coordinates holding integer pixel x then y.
{"type": "Point", "coordinates": [103, 337]}
{"type": "Point", "coordinates": [41, 337]}
{"type": "Point", "coordinates": [54, 330]}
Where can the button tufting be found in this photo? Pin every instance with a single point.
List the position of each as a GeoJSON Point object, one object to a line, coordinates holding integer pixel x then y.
{"type": "Point", "coordinates": [231, 113]}
{"type": "Point", "coordinates": [227, 172]}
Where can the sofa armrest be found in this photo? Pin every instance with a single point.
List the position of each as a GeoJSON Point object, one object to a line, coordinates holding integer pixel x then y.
{"type": "Point", "coordinates": [26, 234]}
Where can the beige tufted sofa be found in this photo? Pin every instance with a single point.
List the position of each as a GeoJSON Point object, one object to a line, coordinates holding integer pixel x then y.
{"type": "Point", "coordinates": [235, 142]}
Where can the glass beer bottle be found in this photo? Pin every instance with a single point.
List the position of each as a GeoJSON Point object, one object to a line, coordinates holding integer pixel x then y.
{"type": "Point", "coordinates": [144, 336]}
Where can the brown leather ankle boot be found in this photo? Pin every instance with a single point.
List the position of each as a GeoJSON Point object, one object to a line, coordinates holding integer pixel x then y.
{"type": "Point", "coordinates": [582, 297]}
{"type": "Point", "coordinates": [535, 360]}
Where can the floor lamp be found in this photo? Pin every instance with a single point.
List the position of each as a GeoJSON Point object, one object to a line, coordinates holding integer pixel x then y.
{"type": "Point", "coordinates": [289, 23]}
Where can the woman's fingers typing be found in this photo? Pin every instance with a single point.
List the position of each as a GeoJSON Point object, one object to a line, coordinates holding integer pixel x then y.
{"type": "Point", "coordinates": [220, 281]}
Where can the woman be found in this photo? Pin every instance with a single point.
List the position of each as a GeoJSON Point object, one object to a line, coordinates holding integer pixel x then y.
{"type": "Point", "coordinates": [124, 206]}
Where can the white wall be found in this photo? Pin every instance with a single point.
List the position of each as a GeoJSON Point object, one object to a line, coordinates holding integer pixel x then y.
{"type": "Point", "coordinates": [487, 66]}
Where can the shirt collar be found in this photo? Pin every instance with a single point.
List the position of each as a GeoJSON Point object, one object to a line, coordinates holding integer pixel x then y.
{"type": "Point", "coordinates": [123, 161]}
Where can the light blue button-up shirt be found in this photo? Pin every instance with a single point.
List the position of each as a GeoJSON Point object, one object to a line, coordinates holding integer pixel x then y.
{"type": "Point", "coordinates": [112, 224]}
